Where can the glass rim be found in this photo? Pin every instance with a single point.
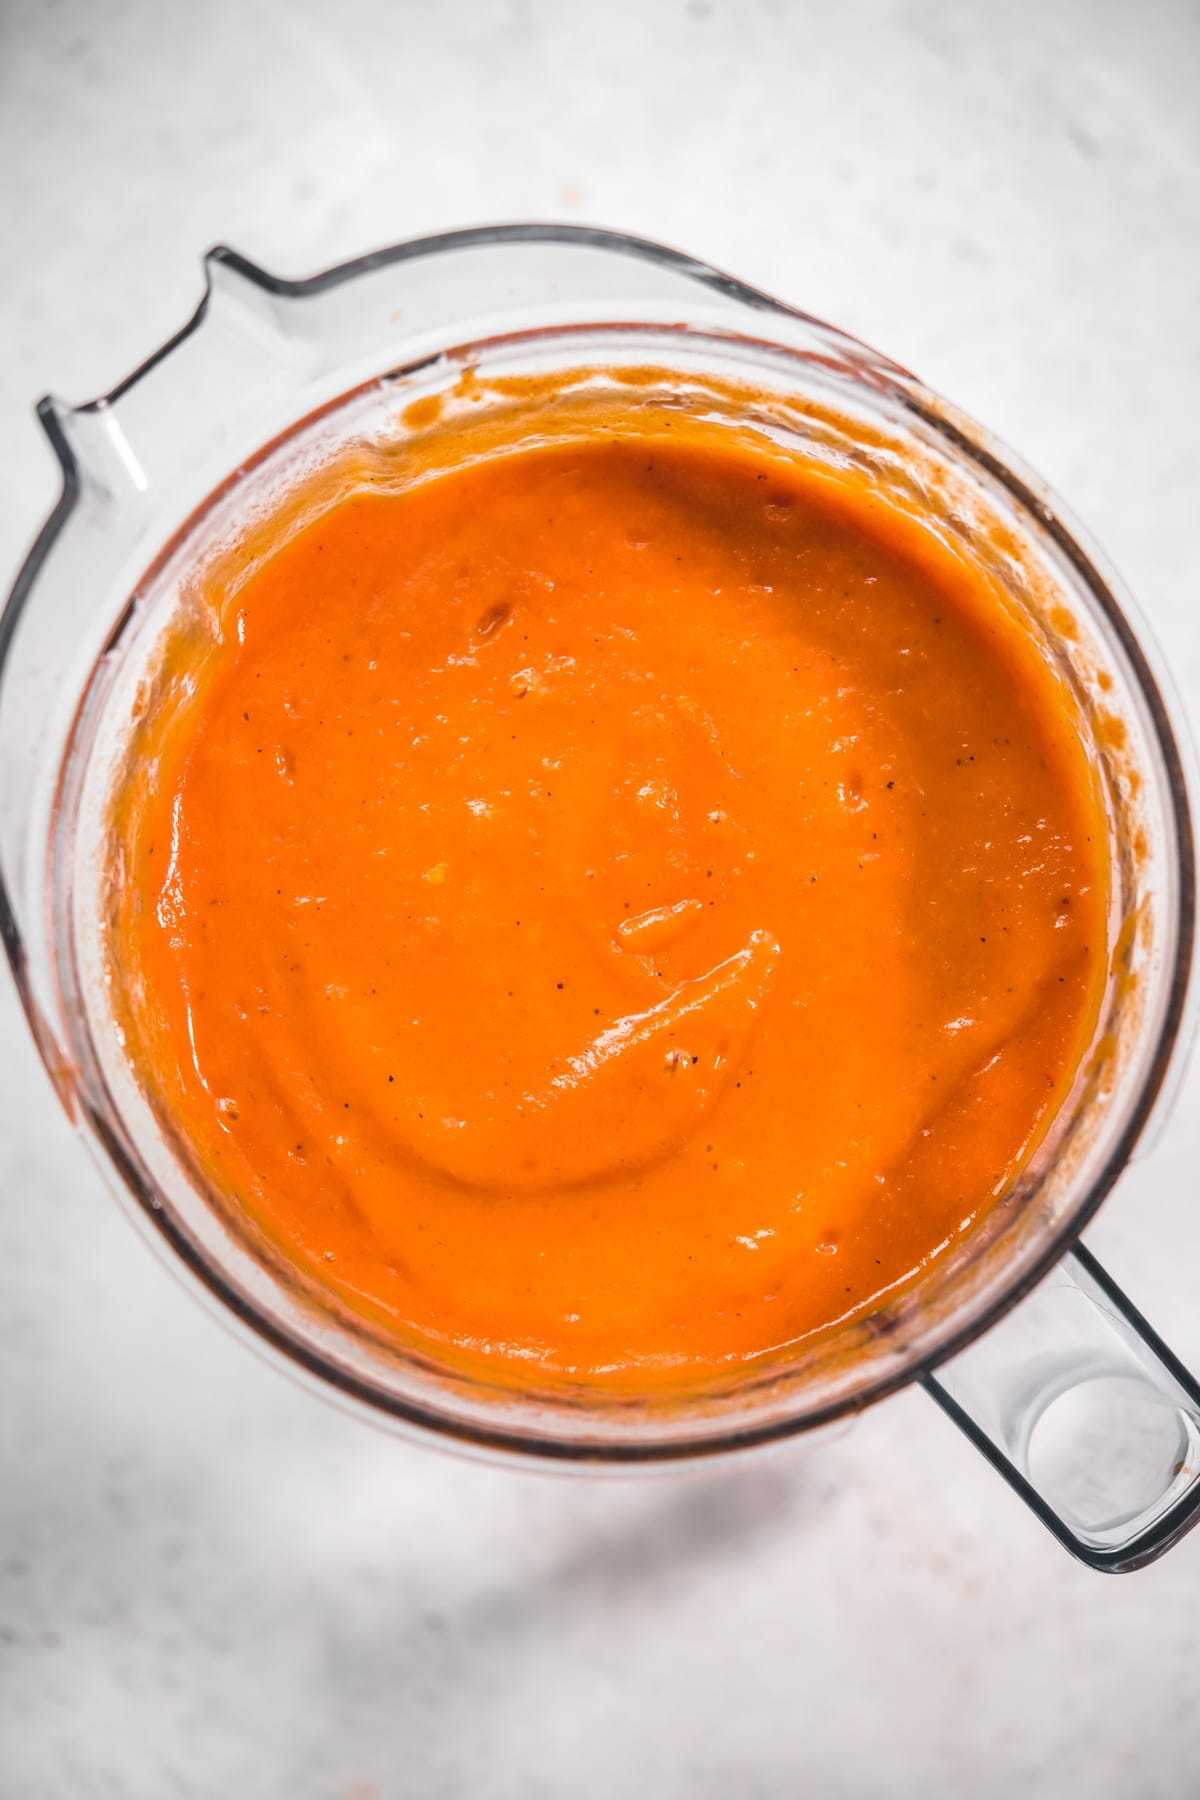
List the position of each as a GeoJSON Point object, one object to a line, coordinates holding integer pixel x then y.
{"type": "Point", "coordinates": [972, 443]}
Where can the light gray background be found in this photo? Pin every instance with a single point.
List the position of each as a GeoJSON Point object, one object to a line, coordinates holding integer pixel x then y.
{"type": "Point", "coordinates": [215, 1585]}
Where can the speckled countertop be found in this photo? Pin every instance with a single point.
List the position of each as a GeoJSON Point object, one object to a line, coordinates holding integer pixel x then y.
{"type": "Point", "coordinates": [211, 1583]}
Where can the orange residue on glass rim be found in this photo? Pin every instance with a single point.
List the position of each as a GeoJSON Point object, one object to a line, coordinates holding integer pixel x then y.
{"type": "Point", "coordinates": [619, 905]}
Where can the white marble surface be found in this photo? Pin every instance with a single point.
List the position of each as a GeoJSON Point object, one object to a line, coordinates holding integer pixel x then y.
{"type": "Point", "coordinates": [212, 1584]}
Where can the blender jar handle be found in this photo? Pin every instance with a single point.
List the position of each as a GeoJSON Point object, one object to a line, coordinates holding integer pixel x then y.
{"type": "Point", "coordinates": [1087, 1414]}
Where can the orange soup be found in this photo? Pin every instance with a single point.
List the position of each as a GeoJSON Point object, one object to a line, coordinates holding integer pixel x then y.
{"type": "Point", "coordinates": [618, 905]}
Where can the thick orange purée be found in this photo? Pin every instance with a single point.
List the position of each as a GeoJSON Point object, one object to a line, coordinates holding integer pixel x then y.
{"type": "Point", "coordinates": [621, 905]}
